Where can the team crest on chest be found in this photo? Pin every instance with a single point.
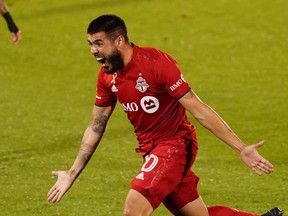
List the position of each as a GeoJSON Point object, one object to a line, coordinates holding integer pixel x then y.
{"type": "Point", "coordinates": [141, 84]}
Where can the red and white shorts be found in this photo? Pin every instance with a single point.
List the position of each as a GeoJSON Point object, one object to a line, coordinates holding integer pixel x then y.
{"type": "Point", "coordinates": [166, 174]}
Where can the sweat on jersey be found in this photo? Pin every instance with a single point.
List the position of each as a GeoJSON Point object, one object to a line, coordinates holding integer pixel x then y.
{"type": "Point", "coordinates": [148, 88]}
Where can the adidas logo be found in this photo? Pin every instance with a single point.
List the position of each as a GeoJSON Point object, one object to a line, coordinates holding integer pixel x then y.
{"type": "Point", "coordinates": [140, 176]}
{"type": "Point", "coordinates": [114, 89]}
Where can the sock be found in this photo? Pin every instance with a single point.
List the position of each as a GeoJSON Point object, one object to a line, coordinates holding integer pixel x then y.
{"type": "Point", "coordinates": [227, 211]}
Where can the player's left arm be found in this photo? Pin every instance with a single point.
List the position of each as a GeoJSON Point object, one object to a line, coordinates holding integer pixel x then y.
{"type": "Point", "coordinates": [207, 117]}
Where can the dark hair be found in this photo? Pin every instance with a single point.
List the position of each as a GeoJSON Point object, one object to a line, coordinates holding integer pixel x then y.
{"type": "Point", "coordinates": [112, 25]}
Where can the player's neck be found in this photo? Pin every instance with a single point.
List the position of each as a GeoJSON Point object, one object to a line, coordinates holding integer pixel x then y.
{"type": "Point", "coordinates": [127, 53]}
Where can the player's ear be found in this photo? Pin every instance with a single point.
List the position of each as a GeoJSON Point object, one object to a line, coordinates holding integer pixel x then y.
{"type": "Point", "coordinates": [120, 40]}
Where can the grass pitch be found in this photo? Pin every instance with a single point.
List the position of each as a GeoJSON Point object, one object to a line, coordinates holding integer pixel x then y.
{"type": "Point", "coordinates": [233, 53]}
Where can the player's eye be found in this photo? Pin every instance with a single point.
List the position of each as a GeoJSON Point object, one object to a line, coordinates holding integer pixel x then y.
{"type": "Point", "coordinates": [98, 44]}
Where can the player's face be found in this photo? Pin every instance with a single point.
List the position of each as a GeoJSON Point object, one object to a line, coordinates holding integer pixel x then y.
{"type": "Point", "coordinates": [106, 52]}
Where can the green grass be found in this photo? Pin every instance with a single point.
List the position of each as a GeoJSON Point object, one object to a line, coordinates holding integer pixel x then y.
{"type": "Point", "coordinates": [233, 53]}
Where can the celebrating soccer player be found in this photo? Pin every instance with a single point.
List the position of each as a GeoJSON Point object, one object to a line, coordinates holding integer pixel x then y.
{"type": "Point", "coordinates": [155, 95]}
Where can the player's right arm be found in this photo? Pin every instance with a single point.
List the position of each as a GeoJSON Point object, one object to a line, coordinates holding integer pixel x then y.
{"type": "Point", "coordinates": [90, 141]}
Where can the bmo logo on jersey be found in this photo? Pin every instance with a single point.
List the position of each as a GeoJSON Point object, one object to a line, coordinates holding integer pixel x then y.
{"type": "Point", "coordinates": [149, 104]}
{"type": "Point", "coordinates": [177, 83]}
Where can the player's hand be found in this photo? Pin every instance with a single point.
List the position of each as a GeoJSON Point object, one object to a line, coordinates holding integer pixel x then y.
{"type": "Point", "coordinates": [64, 182]}
{"type": "Point", "coordinates": [250, 156]}
{"type": "Point", "coordinates": [16, 37]}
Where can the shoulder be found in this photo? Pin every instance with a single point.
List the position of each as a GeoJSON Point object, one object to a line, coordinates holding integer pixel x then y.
{"type": "Point", "coordinates": [152, 54]}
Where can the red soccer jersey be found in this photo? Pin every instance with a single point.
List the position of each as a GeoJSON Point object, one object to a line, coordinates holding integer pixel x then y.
{"type": "Point", "coordinates": [148, 89]}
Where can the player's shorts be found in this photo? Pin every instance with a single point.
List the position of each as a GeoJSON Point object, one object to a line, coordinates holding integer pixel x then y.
{"type": "Point", "coordinates": [166, 174]}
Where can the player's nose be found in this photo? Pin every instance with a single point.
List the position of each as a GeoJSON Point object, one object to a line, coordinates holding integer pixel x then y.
{"type": "Point", "coordinates": [94, 50]}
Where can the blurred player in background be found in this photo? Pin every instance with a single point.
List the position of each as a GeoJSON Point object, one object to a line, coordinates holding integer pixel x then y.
{"type": "Point", "coordinates": [152, 91]}
{"type": "Point", "coordinates": [16, 33]}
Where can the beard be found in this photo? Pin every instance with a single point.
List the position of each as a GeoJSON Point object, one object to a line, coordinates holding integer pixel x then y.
{"type": "Point", "coordinates": [115, 61]}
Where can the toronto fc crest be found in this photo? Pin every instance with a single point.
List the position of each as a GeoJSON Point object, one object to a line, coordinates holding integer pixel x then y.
{"type": "Point", "coordinates": [141, 84]}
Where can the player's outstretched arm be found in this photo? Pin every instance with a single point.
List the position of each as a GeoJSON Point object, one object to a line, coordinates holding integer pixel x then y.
{"type": "Point", "coordinates": [90, 141]}
{"type": "Point", "coordinates": [207, 117]}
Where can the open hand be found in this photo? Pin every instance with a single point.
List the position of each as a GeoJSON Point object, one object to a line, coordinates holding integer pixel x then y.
{"type": "Point", "coordinates": [250, 156]}
{"type": "Point", "coordinates": [64, 182]}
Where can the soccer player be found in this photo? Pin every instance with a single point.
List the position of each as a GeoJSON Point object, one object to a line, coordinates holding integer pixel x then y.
{"type": "Point", "coordinates": [16, 33]}
{"type": "Point", "coordinates": [152, 91]}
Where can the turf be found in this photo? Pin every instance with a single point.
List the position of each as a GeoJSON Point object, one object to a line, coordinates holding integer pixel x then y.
{"type": "Point", "coordinates": [233, 53]}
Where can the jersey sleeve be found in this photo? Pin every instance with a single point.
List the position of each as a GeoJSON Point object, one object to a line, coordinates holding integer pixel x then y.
{"type": "Point", "coordinates": [104, 96]}
{"type": "Point", "coordinates": [170, 77]}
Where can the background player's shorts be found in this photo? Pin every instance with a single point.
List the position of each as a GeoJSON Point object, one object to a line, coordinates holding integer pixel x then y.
{"type": "Point", "coordinates": [166, 174]}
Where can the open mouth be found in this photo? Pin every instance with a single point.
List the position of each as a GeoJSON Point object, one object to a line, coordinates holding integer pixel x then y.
{"type": "Point", "coordinates": [101, 60]}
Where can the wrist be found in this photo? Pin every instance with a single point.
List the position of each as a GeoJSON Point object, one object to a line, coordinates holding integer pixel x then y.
{"type": "Point", "coordinates": [73, 174]}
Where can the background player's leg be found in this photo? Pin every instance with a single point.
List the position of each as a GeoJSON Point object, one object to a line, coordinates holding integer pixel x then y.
{"type": "Point", "coordinates": [136, 204]}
